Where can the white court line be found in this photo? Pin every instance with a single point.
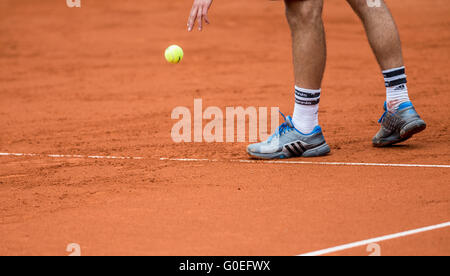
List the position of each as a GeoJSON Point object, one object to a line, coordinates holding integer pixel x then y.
{"type": "Point", "coordinates": [69, 156]}
{"type": "Point", "coordinates": [375, 240]}
{"type": "Point", "coordinates": [307, 163]}
{"type": "Point", "coordinates": [224, 160]}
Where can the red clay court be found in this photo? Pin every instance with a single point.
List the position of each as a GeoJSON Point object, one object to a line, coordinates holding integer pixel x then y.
{"type": "Point", "coordinates": [79, 87]}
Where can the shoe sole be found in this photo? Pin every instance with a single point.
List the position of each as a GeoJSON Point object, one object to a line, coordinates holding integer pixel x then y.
{"type": "Point", "coordinates": [407, 132]}
{"type": "Point", "coordinates": [315, 152]}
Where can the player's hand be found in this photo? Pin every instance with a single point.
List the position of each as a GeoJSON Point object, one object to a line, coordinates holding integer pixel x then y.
{"type": "Point", "coordinates": [199, 12]}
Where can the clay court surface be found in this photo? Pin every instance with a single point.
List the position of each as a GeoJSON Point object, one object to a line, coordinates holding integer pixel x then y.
{"type": "Point", "coordinates": [93, 82]}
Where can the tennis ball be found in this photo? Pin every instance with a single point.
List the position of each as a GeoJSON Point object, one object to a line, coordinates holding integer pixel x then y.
{"type": "Point", "coordinates": [174, 54]}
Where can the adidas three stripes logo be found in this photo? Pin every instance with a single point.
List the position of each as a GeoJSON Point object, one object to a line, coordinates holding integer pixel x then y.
{"type": "Point", "coordinates": [295, 149]}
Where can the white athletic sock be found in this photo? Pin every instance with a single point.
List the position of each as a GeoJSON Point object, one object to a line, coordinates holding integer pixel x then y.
{"type": "Point", "coordinates": [396, 89]}
{"type": "Point", "coordinates": [306, 110]}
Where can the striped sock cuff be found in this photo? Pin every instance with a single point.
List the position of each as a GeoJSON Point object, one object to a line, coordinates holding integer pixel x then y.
{"type": "Point", "coordinates": [307, 96]}
{"type": "Point", "coordinates": [395, 76]}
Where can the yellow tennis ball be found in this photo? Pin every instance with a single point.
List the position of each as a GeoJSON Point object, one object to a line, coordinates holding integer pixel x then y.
{"type": "Point", "coordinates": [174, 54]}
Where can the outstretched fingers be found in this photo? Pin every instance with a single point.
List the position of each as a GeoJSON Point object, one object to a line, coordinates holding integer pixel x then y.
{"type": "Point", "coordinates": [192, 17]}
{"type": "Point", "coordinates": [199, 14]}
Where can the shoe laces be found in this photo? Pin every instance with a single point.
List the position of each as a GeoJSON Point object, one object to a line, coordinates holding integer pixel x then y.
{"type": "Point", "coordinates": [282, 129]}
{"type": "Point", "coordinates": [382, 117]}
{"type": "Point", "coordinates": [386, 112]}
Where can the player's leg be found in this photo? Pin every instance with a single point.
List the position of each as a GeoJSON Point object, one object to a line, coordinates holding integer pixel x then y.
{"type": "Point", "coordinates": [309, 54]}
{"type": "Point", "coordinates": [308, 41]}
{"type": "Point", "coordinates": [381, 31]}
{"type": "Point", "coordinates": [301, 135]}
{"type": "Point", "coordinates": [400, 121]}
